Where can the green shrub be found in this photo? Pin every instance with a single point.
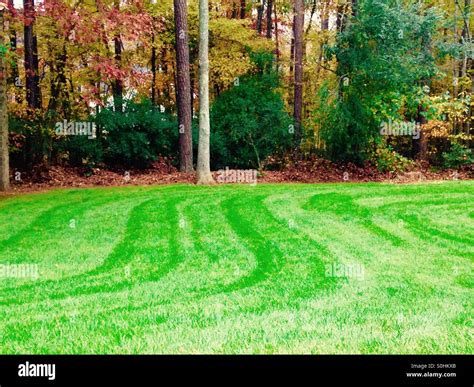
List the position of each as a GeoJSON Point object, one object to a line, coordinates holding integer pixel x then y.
{"type": "Point", "coordinates": [387, 160]}
{"type": "Point", "coordinates": [30, 141]}
{"type": "Point", "coordinates": [137, 136]}
{"type": "Point", "coordinates": [249, 122]}
{"type": "Point", "coordinates": [79, 151]}
{"type": "Point", "coordinates": [458, 156]}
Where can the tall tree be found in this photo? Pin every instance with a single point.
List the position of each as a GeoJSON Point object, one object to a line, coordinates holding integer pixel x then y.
{"type": "Point", "coordinates": [298, 97]}
{"type": "Point", "coordinates": [204, 175]}
{"type": "Point", "coordinates": [183, 86]}
{"type": "Point", "coordinates": [4, 166]}
{"type": "Point", "coordinates": [33, 96]}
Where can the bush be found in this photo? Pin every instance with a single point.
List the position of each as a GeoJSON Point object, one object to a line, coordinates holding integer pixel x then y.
{"type": "Point", "coordinates": [249, 122]}
{"type": "Point", "coordinates": [30, 141]}
{"type": "Point", "coordinates": [136, 137]}
{"type": "Point", "coordinates": [458, 156]}
{"type": "Point", "coordinates": [78, 151]}
{"type": "Point", "coordinates": [385, 159]}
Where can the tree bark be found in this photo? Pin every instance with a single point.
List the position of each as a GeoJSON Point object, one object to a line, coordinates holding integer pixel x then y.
{"type": "Point", "coordinates": [298, 81]}
{"type": "Point", "coordinates": [324, 27]}
{"type": "Point", "coordinates": [183, 86]}
{"type": "Point", "coordinates": [235, 11]}
{"type": "Point", "coordinates": [153, 68]}
{"type": "Point", "coordinates": [342, 11]}
{"type": "Point", "coordinates": [59, 90]}
{"type": "Point", "coordinates": [420, 146]}
{"type": "Point", "coordinates": [243, 9]}
{"type": "Point", "coordinates": [117, 85]}
{"type": "Point", "coordinates": [313, 11]}
{"type": "Point", "coordinates": [277, 39]}
{"type": "Point", "coordinates": [292, 48]}
{"type": "Point", "coordinates": [269, 19]}
{"type": "Point", "coordinates": [466, 67]}
{"type": "Point", "coordinates": [261, 8]}
{"type": "Point", "coordinates": [339, 17]}
{"type": "Point", "coordinates": [325, 17]}
{"type": "Point", "coordinates": [14, 79]}
{"type": "Point", "coordinates": [33, 96]}
{"type": "Point", "coordinates": [204, 175]}
{"type": "Point", "coordinates": [4, 161]}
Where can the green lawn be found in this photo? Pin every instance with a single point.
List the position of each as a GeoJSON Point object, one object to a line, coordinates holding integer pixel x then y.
{"type": "Point", "coordinates": [337, 268]}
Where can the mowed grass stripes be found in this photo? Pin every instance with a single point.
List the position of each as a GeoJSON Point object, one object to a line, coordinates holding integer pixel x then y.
{"type": "Point", "coordinates": [337, 268]}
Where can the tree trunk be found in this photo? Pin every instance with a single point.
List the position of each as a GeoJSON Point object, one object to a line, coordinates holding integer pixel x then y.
{"type": "Point", "coordinates": [269, 19]}
{"type": "Point", "coordinates": [292, 48]}
{"type": "Point", "coordinates": [59, 90]}
{"type": "Point", "coordinates": [153, 68]}
{"type": "Point", "coordinates": [243, 9]}
{"type": "Point", "coordinates": [325, 17]}
{"type": "Point", "coordinates": [183, 86]}
{"type": "Point", "coordinates": [324, 27]}
{"type": "Point", "coordinates": [342, 11]}
{"type": "Point", "coordinates": [191, 94]}
{"type": "Point", "coordinates": [117, 86]}
{"type": "Point", "coordinates": [298, 97]}
{"type": "Point", "coordinates": [4, 162]}
{"type": "Point", "coordinates": [33, 96]}
{"type": "Point", "coordinates": [313, 11]}
{"type": "Point", "coordinates": [15, 76]}
{"type": "Point", "coordinates": [420, 146]}
{"type": "Point", "coordinates": [277, 40]}
{"type": "Point", "coordinates": [467, 59]}
{"type": "Point", "coordinates": [339, 17]}
{"type": "Point", "coordinates": [235, 11]}
{"type": "Point", "coordinates": [204, 175]}
{"type": "Point", "coordinates": [261, 8]}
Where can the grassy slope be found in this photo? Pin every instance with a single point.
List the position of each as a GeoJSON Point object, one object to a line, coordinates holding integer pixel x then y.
{"type": "Point", "coordinates": [234, 269]}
